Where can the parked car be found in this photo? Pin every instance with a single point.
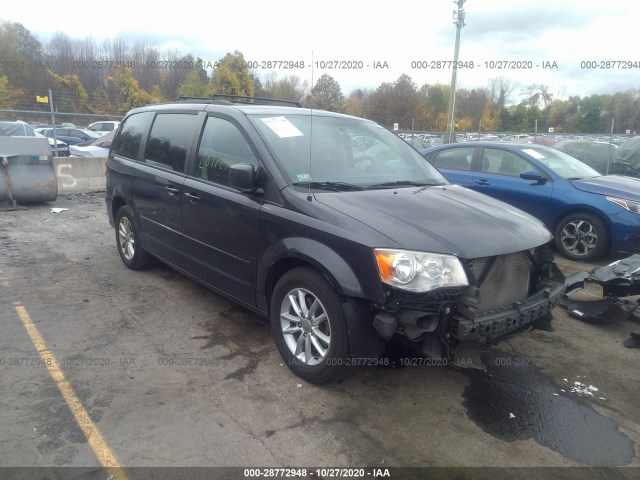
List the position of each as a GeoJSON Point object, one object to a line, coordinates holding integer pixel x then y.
{"type": "Point", "coordinates": [94, 148]}
{"type": "Point", "coordinates": [591, 215]}
{"type": "Point", "coordinates": [23, 129]}
{"type": "Point", "coordinates": [626, 160]}
{"type": "Point", "coordinates": [594, 154]}
{"type": "Point", "coordinates": [70, 136]}
{"type": "Point", "coordinates": [340, 249]}
{"type": "Point", "coordinates": [104, 127]}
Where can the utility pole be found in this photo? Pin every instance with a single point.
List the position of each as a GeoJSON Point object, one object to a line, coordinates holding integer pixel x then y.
{"type": "Point", "coordinates": [458, 21]}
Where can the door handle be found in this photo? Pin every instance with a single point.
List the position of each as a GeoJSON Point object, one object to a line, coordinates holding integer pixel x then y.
{"type": "Point", "coordinates": [481, 181]}
{"type": "Point", "coordinates": [193, 197]}
{"type": "Point", "coordinates": [172, 190]}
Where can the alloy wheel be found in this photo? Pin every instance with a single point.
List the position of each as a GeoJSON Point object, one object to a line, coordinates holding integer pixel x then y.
{"type": "Point", "coordinates": [305, 326]}
{"type": "Point", "coordinates": [579, 237]}
{"type": "Point", "coordinates": [126, 238]}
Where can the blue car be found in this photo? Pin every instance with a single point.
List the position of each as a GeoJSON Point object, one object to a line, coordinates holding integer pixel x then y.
{"type": "Point", "coordinates": [590, 215]}
{"type": "Point", "coordinates": [71, 136]}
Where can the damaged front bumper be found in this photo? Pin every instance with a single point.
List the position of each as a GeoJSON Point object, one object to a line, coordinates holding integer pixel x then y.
{"type": "Point", "coordinates": [490, 326]}
{"type": "Point", "coordinates": [450, 323]}
{"type": "Point", "coordinates": [618, 280]}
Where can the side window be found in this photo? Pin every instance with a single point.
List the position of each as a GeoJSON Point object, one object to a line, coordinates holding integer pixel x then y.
{"type": "Point", "coordinates": [127, 143]}
{"type": "Point", "coordinates": [455, 158]}
{"type": "Point", "coordinates": [169, 141]}
{"type": "Point", "coordinates": [506, 163]}
{"type": "Point", "coordinates": [222, 145]}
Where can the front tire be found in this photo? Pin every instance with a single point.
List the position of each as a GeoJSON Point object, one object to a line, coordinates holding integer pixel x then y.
{"type": "Point", "coordinates": [128, 241]}
{"type": "Point", "coordinates": [309, 327]}
{"type": "Point", "coordinates": [582, 236]}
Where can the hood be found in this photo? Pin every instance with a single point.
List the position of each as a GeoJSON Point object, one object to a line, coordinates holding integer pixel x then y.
{"type": "Point", "coordinates": [59, 143]}
{"type": "Point", "coordinates": [88, 151]}
{"type": "Point", "coordinates": [442, 219]}
{"type": "Point", "coordinates": [612, 185]}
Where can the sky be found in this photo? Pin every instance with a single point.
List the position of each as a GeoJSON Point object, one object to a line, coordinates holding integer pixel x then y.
{"type": "Point", "coordinates": [516, 40]}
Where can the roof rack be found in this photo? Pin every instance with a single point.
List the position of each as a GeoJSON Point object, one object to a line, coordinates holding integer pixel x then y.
{"type": "Point", "coordinates": [220, 97]}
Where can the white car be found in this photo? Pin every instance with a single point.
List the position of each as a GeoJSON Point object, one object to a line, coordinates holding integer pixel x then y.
{"type": "Point", "coordinates": [104, 127]}
{"type": "Point", "coordinates": [63, 148]}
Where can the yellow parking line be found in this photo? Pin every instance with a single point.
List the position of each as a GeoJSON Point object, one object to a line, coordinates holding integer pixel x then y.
{"type": "Point", "coordinates": [106, 457]}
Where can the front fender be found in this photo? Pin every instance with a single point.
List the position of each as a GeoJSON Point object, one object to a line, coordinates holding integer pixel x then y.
{"type": "Point", "coordinates": [310, 251]}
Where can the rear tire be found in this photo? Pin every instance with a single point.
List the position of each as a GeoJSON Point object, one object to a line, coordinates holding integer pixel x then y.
{"type": "Point", "coordinates": [309, 327]}
{"type": "Point", "coordinates": [128, 241]}
{"type": "Point", "coordinates": [582, 236]}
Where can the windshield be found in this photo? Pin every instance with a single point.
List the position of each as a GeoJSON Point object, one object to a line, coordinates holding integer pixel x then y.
{"type": "Point", "coordinates": [344, 152]}
{"type": "Point", "coordinates": [564, 165]}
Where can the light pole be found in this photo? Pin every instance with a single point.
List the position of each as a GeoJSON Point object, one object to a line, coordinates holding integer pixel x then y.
{"type": "Point", "coordinates": [458, 21]}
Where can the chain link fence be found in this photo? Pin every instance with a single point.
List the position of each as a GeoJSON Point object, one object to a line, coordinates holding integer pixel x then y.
{"type": "Point", "coordinates": [35, 117]}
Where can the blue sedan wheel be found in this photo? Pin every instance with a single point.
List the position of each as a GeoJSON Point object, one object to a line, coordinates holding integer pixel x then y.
{"type": "Point", "coordinates": [582, 236]}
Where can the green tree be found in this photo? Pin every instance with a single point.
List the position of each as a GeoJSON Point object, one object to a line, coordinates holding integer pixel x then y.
{"type": "Point", "coordinates": [231, 76]}
{"type": "Point", "coordinates": [69, 94]}
{"type": "Point", "coordinates": [22, 60]}
{"type": "Point", "coordinates": [193, 85]}
{"type": "Point", "coordinates": [380, 105]}
{"type": "Point", "coordinates": [356, 103]}
{"type": "Point", "coordinates": [124, 91]}
{"type": "Point", "coordinates": [175, 77]}
{"type": "Point", "coordinates": [258, 91]}
{"type": "Point", "coordinates": [475, 107]}
{"type": "Point", "coordinates": [9, 96]}
{"type": "Point", "coordinates": [100, 102]}
{"type": "Point", "coordinates": [592, 117]}
{"type": "Point", "coordinates": [405, 105]}
{"type": "Point", "coordinates": [327, 95]}
{"type": "Point", "coordinates": [434, 112]}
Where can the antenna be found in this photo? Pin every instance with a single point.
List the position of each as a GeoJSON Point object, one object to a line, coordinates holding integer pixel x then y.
{"type": "Point", "coordinates": [309, 197]}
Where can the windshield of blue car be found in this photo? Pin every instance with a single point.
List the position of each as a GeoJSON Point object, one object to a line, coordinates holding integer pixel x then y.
{"type": "Point", "coordinates": [563, 165]}
{"type": "Point", "coordinates": [339, 153]}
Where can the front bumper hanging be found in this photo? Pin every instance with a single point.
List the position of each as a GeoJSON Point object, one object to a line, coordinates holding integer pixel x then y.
{"type": "Point", "coordinates": [492, 325]}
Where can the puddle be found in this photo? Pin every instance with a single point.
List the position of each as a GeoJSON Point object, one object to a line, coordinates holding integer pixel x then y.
{"type": "Point", "coordinates": [513, 400]}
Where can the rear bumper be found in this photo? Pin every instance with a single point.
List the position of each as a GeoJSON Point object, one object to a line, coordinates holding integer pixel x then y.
{"type": "Point", "coordinates": [490, 326]}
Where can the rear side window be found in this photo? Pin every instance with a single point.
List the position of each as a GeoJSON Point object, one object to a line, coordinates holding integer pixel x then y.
{"type": "Point", "coordinates": [169, 141]}
{"type": "Point", "coordinates": [222, 145]}
{"type": "Point", "coordinates": [455, 158]}
{"type": "Point", "coordinates": [506, 163]}
{"type": "Point", "coordinates": [127, 143]}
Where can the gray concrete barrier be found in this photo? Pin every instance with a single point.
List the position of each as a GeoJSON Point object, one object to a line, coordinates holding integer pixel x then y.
{"type": "Point", "coordinates": [80, 174]}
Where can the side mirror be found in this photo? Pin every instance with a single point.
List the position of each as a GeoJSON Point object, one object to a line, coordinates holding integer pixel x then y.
{"type": "Point", "coordinates": [243, 177]}
{"type": "Point", "coordinates": [533, 175]}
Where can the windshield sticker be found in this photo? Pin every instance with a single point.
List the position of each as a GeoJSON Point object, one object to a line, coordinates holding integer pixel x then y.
{"type": "Point", "coordinates": [282, 127]}
{"type": "Point", "coordinates": [533, 153]}
{"type": "Point", "coordinates": [303, 177]}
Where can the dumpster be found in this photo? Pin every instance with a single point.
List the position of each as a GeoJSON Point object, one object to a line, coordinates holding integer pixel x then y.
{"type": "Point", "coordinates": [26, 171]}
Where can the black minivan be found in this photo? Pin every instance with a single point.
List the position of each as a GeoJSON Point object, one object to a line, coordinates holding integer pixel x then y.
{"type": "Point", "coordinates": [329, 225]}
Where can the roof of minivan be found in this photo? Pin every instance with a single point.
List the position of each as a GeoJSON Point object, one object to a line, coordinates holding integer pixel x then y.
{"type": "Point", "coordinates": [244, 108]}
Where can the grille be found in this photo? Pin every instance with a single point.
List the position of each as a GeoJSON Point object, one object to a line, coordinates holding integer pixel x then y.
{"type": "Point", "coordinates": [507, 282]}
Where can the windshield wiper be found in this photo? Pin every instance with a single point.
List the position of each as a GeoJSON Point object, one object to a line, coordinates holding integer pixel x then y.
{"type": "Point", "coordinates": [405, 183]}
{"type": "Point", "coordinates": [335, 186]}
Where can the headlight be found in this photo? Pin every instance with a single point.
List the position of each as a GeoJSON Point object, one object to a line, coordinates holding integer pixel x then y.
{"type": "Point", "coordinates": [419, 271]}
{"type": "Point", "coordinates": [630, 205]}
